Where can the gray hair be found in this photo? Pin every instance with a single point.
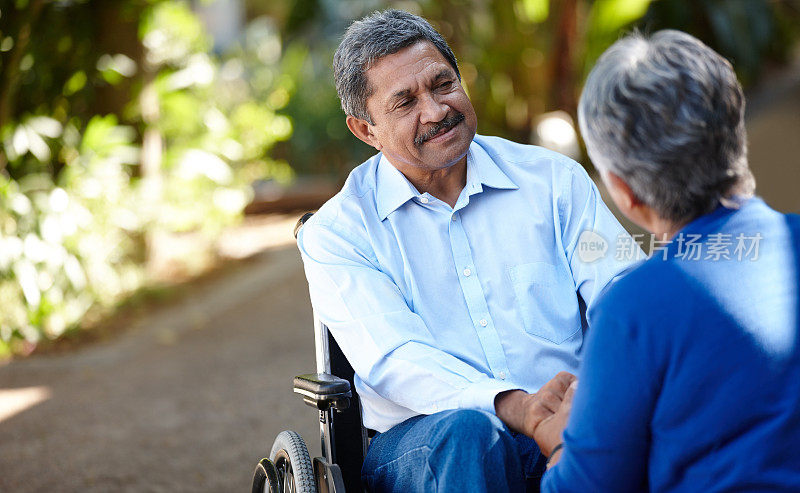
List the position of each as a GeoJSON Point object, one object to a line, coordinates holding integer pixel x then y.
{"type": "Point", "coordinates": [368, 40]}
{"type": "Point", "coordinates": [666, 115]}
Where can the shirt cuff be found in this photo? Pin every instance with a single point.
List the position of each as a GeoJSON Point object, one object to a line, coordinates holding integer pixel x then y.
{"type": "Point", "coordinates": [480, 395]}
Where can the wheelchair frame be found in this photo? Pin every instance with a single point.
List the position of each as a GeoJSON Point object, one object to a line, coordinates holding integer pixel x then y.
{"type": "Point", "coordinates": [343, 438]}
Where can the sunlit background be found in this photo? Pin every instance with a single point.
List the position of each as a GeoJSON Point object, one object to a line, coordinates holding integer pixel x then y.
{"type": "Point", "coordinates": [134, 134]}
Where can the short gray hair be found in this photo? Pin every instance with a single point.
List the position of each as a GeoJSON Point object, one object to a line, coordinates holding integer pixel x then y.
{"type": "Point", "coordinates": [666, 114]}
{"type": "Point", "coordinates": [368, 40]}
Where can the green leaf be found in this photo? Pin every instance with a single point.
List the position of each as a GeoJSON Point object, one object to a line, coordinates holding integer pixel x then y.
{"type": "Point", "coordinates": [534, 11]}
{"type": "Point", "coordinates": [75, 83]}
{"type": "Point", "coordinates": [609, 16]}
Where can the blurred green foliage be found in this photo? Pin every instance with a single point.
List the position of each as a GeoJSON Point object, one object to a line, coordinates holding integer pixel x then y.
{"type": "Point", "coordinates": [518, 58]}
{"type": "Point", "coordinates": [218, 117]}
{"type": "Point", "coordinates": [69, 241]}
{"type": "Point", "coordinates": [120, 122]}
{"type": "Point", "coordinates": [750, 33]}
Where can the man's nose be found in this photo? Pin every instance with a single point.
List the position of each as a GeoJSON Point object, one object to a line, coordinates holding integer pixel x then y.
{"type": "Point", "coordinates": [432, 111]}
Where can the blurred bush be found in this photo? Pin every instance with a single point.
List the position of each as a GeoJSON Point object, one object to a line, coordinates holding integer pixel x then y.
{"type": "Point", "coordinates": [217, 117]}
{"type": "Point", "coordinates": [85, 197]}
{"type": "Point", "coordinates": [67, 242]}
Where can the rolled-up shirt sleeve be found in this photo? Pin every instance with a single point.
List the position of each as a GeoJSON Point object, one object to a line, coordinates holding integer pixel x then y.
{"type": "Point", "coordinates": [388, 345]}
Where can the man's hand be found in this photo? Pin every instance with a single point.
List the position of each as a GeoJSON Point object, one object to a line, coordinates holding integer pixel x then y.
{"type": "Point", "coordinates": [523, 412]}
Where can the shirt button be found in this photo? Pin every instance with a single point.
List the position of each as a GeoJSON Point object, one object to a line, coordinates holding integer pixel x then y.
{"type": "Point", "coordinates": [467, 272]}
{"type": "Point", "coordinates": [502, 375]}
{"type": "Point", "coordinates": [454, 217]}
{"type": "Point", "coordinates": [483, 322]}
{"type": "Point", "coordinates": [424, 200]}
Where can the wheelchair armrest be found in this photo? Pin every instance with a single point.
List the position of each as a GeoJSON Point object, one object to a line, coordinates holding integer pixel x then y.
{"type": "Point", "coordinates": [323, 391]}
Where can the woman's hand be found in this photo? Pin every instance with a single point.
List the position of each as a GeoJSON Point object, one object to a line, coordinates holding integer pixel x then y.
{"type": "Point", "coordinates": [525, 413]}
{"type": "Point", "coordinates": [549, 431]}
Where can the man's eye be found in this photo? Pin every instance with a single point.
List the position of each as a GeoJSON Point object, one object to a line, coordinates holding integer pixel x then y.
{"type": "Point", "coordinates": [404, 104]}
{"type": "Point", "coordinates": [446, 85]}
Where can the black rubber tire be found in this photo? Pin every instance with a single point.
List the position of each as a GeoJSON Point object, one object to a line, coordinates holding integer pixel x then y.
{"type": "Point", "coordinates": [265, 477]}
{"type": "Point", "coordinates": [291, 459]}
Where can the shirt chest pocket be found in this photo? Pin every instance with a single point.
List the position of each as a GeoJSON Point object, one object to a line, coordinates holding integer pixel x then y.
{"type": "Point", "coordinates": [546, 300]}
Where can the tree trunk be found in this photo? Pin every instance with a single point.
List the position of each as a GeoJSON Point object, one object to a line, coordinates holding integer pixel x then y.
{"type": "Point", "coordinates": [563, 92]}
{"type": "Point", "coordinates": [151, 156]}
{"type": "Point", "coordinates": [9, 78]}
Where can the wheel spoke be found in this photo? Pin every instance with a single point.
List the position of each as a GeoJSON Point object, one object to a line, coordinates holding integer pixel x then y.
{"type": "Point", "coordinates": [290, 457]}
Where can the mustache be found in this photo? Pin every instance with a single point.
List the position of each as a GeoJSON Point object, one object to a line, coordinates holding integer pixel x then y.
{"type": "Point", "coordinates": [446, 124]}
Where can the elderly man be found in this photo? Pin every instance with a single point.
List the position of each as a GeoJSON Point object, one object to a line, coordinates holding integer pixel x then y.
{"type": "Point", "coordinates": [691, 377]}
{"type": "Point", "coordinates": [448, 269]}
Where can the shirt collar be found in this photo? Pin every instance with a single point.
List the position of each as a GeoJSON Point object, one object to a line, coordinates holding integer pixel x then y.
{"type": "Point", "coordinates": [394, 189]}
{"type": "Point", "coordinates": [483, 170]}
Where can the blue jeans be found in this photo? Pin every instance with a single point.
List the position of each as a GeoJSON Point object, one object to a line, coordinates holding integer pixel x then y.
{"type": "Point", "coordinates": [461, 450]}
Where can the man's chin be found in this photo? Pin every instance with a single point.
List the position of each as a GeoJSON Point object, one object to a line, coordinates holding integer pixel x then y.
{"type": "Point", "coordinates": [446, 157]}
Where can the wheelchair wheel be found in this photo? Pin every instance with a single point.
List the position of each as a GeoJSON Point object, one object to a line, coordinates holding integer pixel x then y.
{"type": "Point", "coordinates": [265, 478]}
{"type": "Point", "coordinates": [293, 464]}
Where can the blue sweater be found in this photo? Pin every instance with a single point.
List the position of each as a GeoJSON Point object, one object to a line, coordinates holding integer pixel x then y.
{"type": "Point", "coordinates": [691, 374]}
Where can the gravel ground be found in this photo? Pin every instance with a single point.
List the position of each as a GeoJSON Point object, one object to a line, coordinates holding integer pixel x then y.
{"type": "Point", "coordinates": [187, 400]}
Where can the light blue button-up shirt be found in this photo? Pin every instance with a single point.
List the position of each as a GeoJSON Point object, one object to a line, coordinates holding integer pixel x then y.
{"type": "Point", "coordinates": [441, 308]}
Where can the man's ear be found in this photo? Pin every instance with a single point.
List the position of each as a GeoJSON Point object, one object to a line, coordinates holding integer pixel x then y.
{"type": "Point", "coordinates": [363, 130]}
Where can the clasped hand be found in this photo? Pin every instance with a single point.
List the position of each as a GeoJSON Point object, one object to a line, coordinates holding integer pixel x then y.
{"type": "Point", "coordinates": [541, 416]}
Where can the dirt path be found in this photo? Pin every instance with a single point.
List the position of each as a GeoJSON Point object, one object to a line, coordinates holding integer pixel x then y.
{"type": "Point", "coordinates": [187, 401]}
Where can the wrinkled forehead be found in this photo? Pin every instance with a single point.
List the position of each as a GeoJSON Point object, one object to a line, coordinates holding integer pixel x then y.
{"type": "Point", "coordinates": [405, 69]}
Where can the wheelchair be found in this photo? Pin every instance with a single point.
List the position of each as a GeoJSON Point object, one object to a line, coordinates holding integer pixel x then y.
{"type": "Point", "coordinates": [331, 391]}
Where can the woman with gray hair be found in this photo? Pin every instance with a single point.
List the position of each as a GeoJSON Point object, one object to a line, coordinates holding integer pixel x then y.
{"type": "Point", "coordinates": [691, 375]}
